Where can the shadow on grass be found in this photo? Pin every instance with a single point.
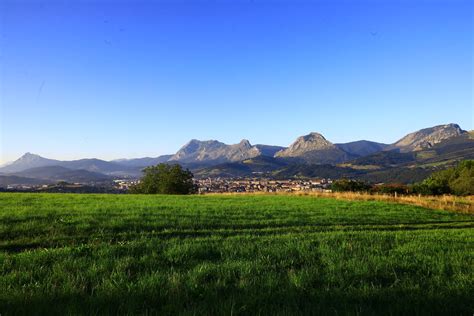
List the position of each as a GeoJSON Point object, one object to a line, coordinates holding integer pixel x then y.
{"type": "Point", "coordinates": [262, 300]}
{"type": "Point", "coordinates": [120, 235]}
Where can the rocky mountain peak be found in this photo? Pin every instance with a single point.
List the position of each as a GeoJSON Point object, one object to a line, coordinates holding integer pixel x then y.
{"type": "Point", "coordinates": [29, 156]}
{"type": "Point", "coordinates": [214, 151]}
{"type": "Point", "coordinates": [245, 143]}
{"type": "Point", "coordinates": [27, 161]}
{"type": "Point", "coordinates": [427, 137]}
{"type": "Point", "coordinates": [313, 148]}
{"type": "Point", "coordinates": [313, 136]}
{"type": "Point", "coordinates": [312, 141]}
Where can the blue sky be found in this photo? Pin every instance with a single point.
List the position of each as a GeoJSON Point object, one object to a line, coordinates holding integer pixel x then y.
{"type": "Point", "coordinates": [113, 79]}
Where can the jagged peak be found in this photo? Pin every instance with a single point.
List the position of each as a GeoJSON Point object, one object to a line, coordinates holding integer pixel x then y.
{"type": "Point", "coordinates": [452, 125]}
{"type": "Point", "coordinates": [312, 136]}
{"type": "Point", "coordinates": [437, 128]}
{"type": "Point", "coordinates": [29, 155]}
{"type": "Point", "coordinates": [198, 143]}
{"type": "Point", "coordinates": [245, 143]}
{"type": "Point", "coordinates": [427, 137]}
{"type": "Point", "coordinates": [308, 143]}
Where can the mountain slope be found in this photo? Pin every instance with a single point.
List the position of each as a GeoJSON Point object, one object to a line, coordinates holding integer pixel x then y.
{"type": "Point", "coordinates": [427, 137]}
{"type": "Point", "coordinates": [261, 165]}
{"type": "Point", "coordinates": [385, 159]}
{"type": "Point", "coordinates": [97, 165]}
{"type": "Point", "coordinates": [142, 162]}
{"type": "Point", "coordinates": [268, 150]}
{"type": "Point", "coordinates": [362, 147]}
{"type": "Point", "coordinates": [58, 173]}
{"type": "Point", "coordinates": [448, 152]}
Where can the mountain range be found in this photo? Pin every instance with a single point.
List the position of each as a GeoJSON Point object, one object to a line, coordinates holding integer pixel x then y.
{"type": "Point", "coordinates": [311, 155]}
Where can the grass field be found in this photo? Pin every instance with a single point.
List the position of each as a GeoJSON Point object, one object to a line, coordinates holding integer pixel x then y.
{"type": "Point", "coordinates": [128, 254]}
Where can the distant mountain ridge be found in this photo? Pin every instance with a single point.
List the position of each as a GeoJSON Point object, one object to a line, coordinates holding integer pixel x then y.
{"type": "Point", "coordinates": [30, 161]}
{"type": "Point", "coordinates": [434, 146]}
{"type": "Point", "coordinates": [143, 162]}
{"type": "Point", "coordinates": [58, 173]}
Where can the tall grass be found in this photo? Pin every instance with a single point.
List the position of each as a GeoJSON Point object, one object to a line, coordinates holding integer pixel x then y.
{"type": "Point", "coordinates": [246, 254]}
{"type": "Point", "coordinates": [463, 204]}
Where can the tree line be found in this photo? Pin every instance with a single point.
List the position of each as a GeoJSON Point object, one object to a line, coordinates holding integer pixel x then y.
{"type": "Point", "coordinates": [458, 180]}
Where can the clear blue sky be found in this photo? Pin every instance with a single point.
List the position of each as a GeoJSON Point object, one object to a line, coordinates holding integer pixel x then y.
{"type": "Point", "coordinates": [112, 79]}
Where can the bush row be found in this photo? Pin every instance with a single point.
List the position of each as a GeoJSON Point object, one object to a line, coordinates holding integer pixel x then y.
{"type": "Point", "coordinates": [458, 181]}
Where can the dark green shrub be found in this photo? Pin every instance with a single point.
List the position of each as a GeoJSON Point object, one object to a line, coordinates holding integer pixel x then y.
{"type": "Point", "coordinates": [344, 185]}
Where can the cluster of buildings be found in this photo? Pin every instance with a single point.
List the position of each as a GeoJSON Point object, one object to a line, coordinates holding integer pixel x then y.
{"type": "Point", "coordinates": [24, 187]}
{"type": "Point", "coordinates": [231, 185]}
{"type": "Point", "coordinates": [125, 184]}
{"type": "Point", "coordinates": [207, 185]}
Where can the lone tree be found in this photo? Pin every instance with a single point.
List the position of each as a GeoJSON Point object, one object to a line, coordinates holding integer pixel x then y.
{"type": "Point", "coordinates": [165, 179]}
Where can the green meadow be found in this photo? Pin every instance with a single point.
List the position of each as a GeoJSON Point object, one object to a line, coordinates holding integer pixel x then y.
{"type": "Point", "coordinates": [233, 255]}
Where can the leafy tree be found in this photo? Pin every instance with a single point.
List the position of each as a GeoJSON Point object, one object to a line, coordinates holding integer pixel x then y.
{"type": "Point", "coordinates": [165, 179]}
{"type": "Point", "coordinates": [436, 184]}
{"type": "Point", "coordinates": [458, 181]}
{"type": "Point", "coordinates": [462, 182]}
